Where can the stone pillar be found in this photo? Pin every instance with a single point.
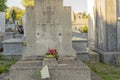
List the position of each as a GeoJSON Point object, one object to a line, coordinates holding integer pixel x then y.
{"type": "Point", "coordinates": [2, 21]}
{"type": "Point", "coordinates": [30, 32]}
{"type": "Point", "coordinates": [106, 30]}
{"type": "Point", "coordinates": [111, 21]}
{"type": "Point", "coordinates": [118, 23]}
{"type": "Point", "coordinates": [100, 29]}
{"type": "Point", "coordinates": [91, 24]}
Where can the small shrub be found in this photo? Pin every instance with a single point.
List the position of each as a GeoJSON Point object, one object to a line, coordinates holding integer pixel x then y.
{"type": "Point", "coordinates": [84, 29]}
{"type": "Point", "coordinates": [3, 69]}
{"type": "Point", "coordinates": [5, 64]}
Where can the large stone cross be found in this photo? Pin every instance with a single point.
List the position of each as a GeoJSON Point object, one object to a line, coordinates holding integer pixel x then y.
{"type": "Point", "coordinates": [48, 13]}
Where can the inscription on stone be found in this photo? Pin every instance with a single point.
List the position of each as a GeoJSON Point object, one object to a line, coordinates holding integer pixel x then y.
{"type": "Point", "coordinates": [49, 12]}
{"type": "Point", "coordinates": [49, 26]}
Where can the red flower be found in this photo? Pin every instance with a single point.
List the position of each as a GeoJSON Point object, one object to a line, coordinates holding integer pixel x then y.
{"type": "Point", "coordinates": [52, 51]}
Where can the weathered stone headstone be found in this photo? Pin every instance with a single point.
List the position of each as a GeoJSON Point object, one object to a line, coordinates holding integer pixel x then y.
{"type": "Point", "coordinates": [2, 21]}
{"type": "Point", "coordinates": [48, 26]}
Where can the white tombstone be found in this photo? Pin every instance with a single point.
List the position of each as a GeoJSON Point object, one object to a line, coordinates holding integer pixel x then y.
{"type": "Point", "coordinates": [2, 21]}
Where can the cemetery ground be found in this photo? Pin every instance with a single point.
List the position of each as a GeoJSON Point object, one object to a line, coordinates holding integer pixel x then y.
{"type": "Point", "coordinates": [106, 72]}
{"type": "Point", "coordinates": [5, 64]}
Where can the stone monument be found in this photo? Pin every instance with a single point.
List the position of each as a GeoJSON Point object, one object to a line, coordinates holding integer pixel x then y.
{"type": "Point", "coordinates": [2, 21]}
{"type": "Point", "coordinates": [104, 32]}
{"type": "Point", "coordinates": [49, 26]}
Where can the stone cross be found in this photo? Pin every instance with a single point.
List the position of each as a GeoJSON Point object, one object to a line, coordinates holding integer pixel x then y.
{"type": "Point", "coordinates": [48, 13]}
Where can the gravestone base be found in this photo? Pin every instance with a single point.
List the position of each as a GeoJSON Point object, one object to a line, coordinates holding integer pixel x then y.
{"type": "Point", "coordinates": [109, 57]}
{"type": "Point", "coordinates": [83, 56]}
{"type": "Point", "coordinates": [12, 48]}
{"type": "Point", "coordinates": [12, 57]}
{"type": "Point", "coordinates": [80, 45]}
{"type": "Point", "coordinates": [62, 69]}
{"type": "Point", "coordinates": [93, 57]}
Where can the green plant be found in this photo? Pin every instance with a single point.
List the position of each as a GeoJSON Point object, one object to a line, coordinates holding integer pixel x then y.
{"type": "Point", "coordinates": [13, 15]}
{"type": "Point", "coordinates": [5, 64]}
{"type": "Point", "coordinates": [85, 16]}
{"type": "Point", "coordinates": [3, 69]}
{"type": "Point", "coordinates": [24, 44]}
{"type": "Point", "coordinates": [52, 53]}
{"type": "Point", "coordinates": [2, 5]}
{"type": "Point", "coordinates": [84, 29]}
{"type": "Point", "coordinates": [106, 72]}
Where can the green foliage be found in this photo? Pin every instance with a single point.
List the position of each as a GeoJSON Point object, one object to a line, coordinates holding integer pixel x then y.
{"type": "Point", "coordinates": [85, 15]}
{"type": "Point", "coordinates": [13, 15]}
{"type": "Point", "coordinates": [2, 5]}
{"type": "Point", "coordinates": [28, 2]}
{"type": "Point", "coordinates": [16, 14]}
{"type": "Point", "coordinates": [84, 29]}
{"type": "Point", "coordinates": [20, 21]}
{"type": "Point", "coordinates": [107, 72]}
{"type": "Point", "coordinates": [5, 64]}
{"type": "Point", "coordinates": [3, 69]}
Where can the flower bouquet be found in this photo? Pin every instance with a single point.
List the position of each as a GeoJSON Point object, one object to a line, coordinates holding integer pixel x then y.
{"type": "Point", "coordinates": [52, 53]}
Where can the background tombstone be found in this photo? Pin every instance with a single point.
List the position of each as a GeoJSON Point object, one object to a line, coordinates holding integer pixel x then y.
{"type": "Point", "coordinates": [24, 23]}
{"type": "Point", "coordinates": [103, 34]}
{"type": "Point", "coordinates": [2, 21]}
{"type": "Point", "coordinates": [2, 28]}
{"type": "Point", "coordinates": [13, 48]}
